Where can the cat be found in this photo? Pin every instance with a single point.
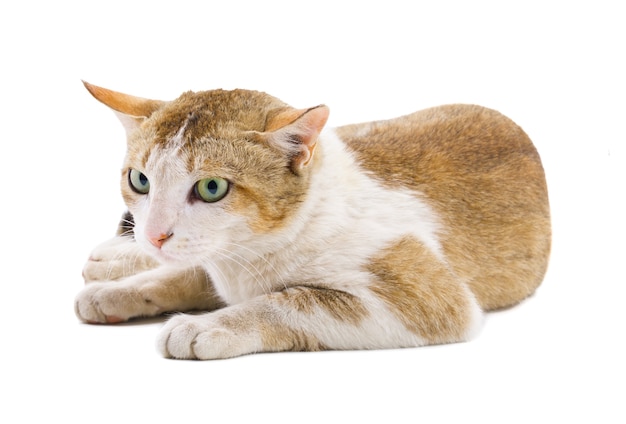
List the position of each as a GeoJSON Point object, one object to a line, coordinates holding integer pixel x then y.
{"type": "Point", "coordinates": [291, 237]}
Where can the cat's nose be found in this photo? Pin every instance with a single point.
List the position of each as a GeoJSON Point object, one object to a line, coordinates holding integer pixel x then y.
{"type": "Point", "coordinates": [157, 241]}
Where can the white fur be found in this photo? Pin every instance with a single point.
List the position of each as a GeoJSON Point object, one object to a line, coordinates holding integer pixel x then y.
{"type": "Point", "coordinates": [178, 140]}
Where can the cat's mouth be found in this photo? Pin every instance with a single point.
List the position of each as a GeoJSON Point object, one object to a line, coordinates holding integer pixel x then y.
{"type": "Point", "coordinates": [163, 256]}
{"type": "Point", "coordinates": [169, 257]}
{"type": "Point", "coordinates": [171, 251]}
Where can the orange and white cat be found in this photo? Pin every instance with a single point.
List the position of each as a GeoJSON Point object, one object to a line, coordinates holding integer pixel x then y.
{"type": "Point", "coordinates": [290, 236]}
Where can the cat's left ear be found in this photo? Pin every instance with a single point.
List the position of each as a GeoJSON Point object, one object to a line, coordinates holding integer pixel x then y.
{"type": "Point", "coordinates": [295, 131]}
{"type": "Point", "coordinates": [130, 110]}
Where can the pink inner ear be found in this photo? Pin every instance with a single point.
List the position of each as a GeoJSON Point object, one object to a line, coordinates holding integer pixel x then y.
{"type": "Point", "coordinates": [307, 128]}
{"type": "Point", "coordinates": [305, 125]}
{"type": "Point", "coordinates": [308, 123]}
{"type": "Point", "coordinates": [313, 121]}
{"type": "Point", "coordinates": [305, 157]}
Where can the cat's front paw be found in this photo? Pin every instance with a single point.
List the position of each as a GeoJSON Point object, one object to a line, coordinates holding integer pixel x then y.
{"type": "Point", "coordinates": [204, 337]}
{"type": "Point", "coordinates": [116, 258]}
{"type": "Point", "coordinates": [112, 303]}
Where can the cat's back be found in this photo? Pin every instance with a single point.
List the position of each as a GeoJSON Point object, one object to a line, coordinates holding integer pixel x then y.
{"type": "Point", "coordinates": [452, 138]}
{"type": "Point", "coordinates": [482, 175]}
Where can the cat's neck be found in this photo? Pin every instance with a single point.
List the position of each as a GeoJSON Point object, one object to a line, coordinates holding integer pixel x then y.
{"type": "Point", "coordinates": [279, 259]}
{"type": "Point", "coordinates": [347, 217]}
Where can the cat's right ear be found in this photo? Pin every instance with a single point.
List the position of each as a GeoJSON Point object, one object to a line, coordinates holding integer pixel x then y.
{"type": "Point", "coordinates": [130, 110]}
{"type": "Point", "coordinates": [295, 132]}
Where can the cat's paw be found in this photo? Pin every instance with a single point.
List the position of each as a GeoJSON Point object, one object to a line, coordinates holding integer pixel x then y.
{"type": "Point", "coordinates": [204, 337]}
{"type": "Point", "coordinates": [116, 258]}
{"type": "Point", "coordinates": [112, 303]}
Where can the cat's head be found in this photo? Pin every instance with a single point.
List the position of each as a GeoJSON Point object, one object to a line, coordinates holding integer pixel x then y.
{"type": "Point", "coordinates": [212, 170]}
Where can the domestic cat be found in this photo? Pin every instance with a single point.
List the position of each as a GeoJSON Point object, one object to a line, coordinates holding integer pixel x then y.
{"type": "Point", "coordinates": [289, 236]}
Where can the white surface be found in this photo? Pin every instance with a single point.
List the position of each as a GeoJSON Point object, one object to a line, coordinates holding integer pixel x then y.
{"type": "Point", "coordinates": [556, 68]}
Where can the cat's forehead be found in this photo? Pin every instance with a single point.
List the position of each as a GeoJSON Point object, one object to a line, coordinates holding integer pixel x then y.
{"type": "Point", "coordinates": [206, 131]}
{"type": "Point", "coordinates": [215, 113]}
{"type": "Point", "coordinates": [208, 156]}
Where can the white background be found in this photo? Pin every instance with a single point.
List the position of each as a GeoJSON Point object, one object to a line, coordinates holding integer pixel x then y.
{"type": "Point", "coordinates": [556, 68]}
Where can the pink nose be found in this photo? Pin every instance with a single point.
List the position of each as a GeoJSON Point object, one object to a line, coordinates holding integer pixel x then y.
{"type": "Point", "coordinates": [157, 241]}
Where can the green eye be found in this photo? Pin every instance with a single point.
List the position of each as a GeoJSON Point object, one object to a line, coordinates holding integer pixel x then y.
{"type": "Point", "coordinates": [138, 182]}
{"type": "Point", "coordinates": [211, 189]}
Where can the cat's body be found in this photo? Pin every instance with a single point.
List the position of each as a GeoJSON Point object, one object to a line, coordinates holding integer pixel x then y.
{"type": "Point", "coordinates": [388, 234]}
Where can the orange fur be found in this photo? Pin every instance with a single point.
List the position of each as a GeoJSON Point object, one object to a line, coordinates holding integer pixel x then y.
{"type": "Point", "coordinates": [421, 291]}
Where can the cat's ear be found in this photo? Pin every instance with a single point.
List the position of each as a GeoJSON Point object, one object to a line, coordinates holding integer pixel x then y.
{"type": "Point", "coordinates": [130, 110]}
{"type": "Point", "coordinates": [295, 132]}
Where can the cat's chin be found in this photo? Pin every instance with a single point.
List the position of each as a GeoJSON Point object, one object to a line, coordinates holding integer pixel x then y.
{"type": "Point", "coordinates": [166, 258]}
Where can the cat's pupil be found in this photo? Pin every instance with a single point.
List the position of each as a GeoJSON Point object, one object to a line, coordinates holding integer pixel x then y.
{"type": "Point", "coordinates": [143, 179]}
{"type": "Point", "coordinates": [212, 186]}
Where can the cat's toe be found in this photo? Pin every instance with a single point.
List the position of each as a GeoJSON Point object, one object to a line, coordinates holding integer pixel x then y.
{"type": "Point", "coordinates": [217, 343]}
{"type": "Point", "coordinates": [196, 337]}
{"type": "Point", "coordinates": [204, 337]}
{"type": "Point", "coordinates": [96, 304]}
{"type": "Point", "coordinates": [87, 309]}
{"type": "Point", "coordinates": [177, 338]}
{"type": "Point", "coordinates": [96, 270]}
{"type": "Point", "coordinates": [99, 269]}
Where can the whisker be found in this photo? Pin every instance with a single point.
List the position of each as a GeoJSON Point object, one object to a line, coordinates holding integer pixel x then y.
{"type": "Point", "coordinates": [246, 265]}
{"type": "Point", "coordinates": [128, 255]}
{"type": "Point", "coordinates": [265, 261]}
{"type": "Point", "coordinates": [257, 275]}
{"type": "Point", "coordinates": [218, 271]}
{"type": "Point", "coordinates": [128, 233]}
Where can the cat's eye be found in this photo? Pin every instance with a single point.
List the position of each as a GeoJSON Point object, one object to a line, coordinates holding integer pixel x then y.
{"type": "Point", "coordinates": [211, 189]}
{"type": "Point", "coordinates": [138, 182]}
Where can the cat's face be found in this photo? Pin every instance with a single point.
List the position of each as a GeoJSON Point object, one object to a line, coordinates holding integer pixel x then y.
{"type": "Point", "coordinates": [212, 171]}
